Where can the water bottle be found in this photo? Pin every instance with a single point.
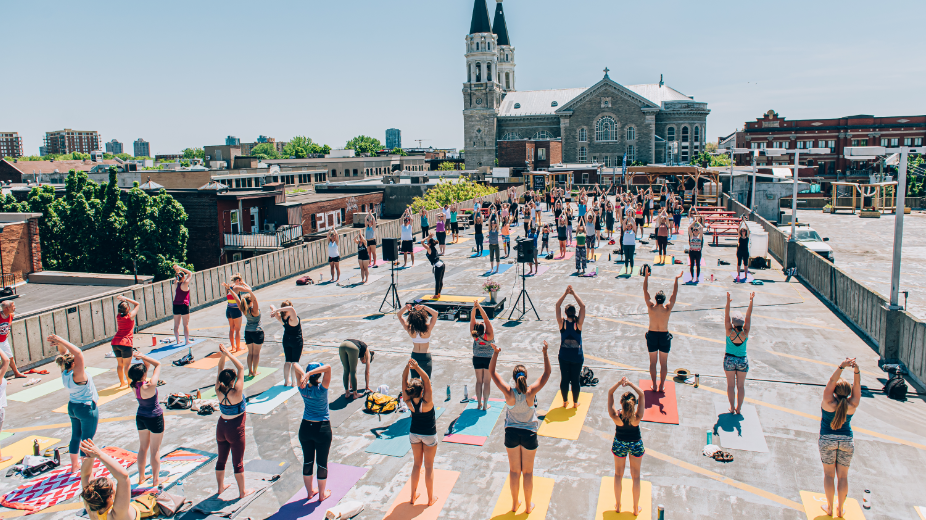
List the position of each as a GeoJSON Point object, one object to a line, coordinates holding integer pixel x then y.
{"type": "Point", "coordinates": [466, 392]}
{"type": "Point", "coordinates": [35, 447]}
{"type": "Point", "coordinates": [866, 501]}
{"type": "Point", "coordinates": [697, 380]}
{"type": "Point", "coordinates": [710, 437]}
{"type": "Point", "coordinates": [660, 512]}
{"type": "Point", "coordinates": [448, 392]}
{"type": "Point", "coordinates": [179, 488]}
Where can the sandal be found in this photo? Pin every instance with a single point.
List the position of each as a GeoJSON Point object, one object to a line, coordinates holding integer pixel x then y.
{"type": "Point", "coordinates": [723, 456]}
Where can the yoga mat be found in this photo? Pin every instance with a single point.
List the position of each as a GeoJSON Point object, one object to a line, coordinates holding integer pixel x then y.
{"type": "Point", "coordinates": [228, 504]}
{"type": "Point", "coordinates": [354, 281]}
{"type": "Point", "coordinates": [212, 360]}
{"type": "Point", "coordinates": [262, 372]}
{"type": "Point", "coordinates": [625, 272]}
{"type": "Point", "coordinates": [175, 466]}
{"type": "Point", "coordinates": [565, 423]}
{"type": "Point", "coordinates": [170, 349]}
{"type": "Point", "coordinates": [703, 261]}
{"type": "Point", "coordinates": [106, 395]}
{"type": "Point", "coordinates": [739, 432]}
{"type": "Point", "coordinates": [60, 484]}
{"type": "Point", "coordinates": [474, 426]}
{"type": "Point", "coordinates": [687, 277]}
{"type": "Point", "coordinates": [543, 491]}
{"type": "Point", "coordinates": [920, 510]}
{"type": "Point", "coordinates": [588, 274]}
{"type": "Point", "coordinates": [569, 254]}
{"type": "Point", "coordinates": [749, 278]}
{"type": "Point", "coordinates": [660, 408]}
{"type": "Point", "coordinates": [813, 501]}
{"type": "Point", "coordinates": [5, 435]}
{"type": "Point", "coordinates": [501, 270]}
{"type": "Point", "coordinates": [403, 510]}
{"type": "Point", "coordinates": [341, 479]}
{"type": "Point", "coordinates": [265, 402]}
{"type": "Point", "coordinates": [663, 260]}
{"type": "Point", "coordinates": [341, 409]}
{"type": "Point", "coordinates": [540, 270]}
{"type": "Point", "coordinates": [21, 448]}
{"type": "Point", "coordinates": [393, 441]}
{"type": "Point", "coordinates": [32, 393]}
{"type": "Point", "coordinates": [269, 467]}
{"type": "Point", "coordinates": [606, 501]}
{"type": "Point", "coordinates": [485, 252]}
{"type": "Point", "coordinates": [449, 298]}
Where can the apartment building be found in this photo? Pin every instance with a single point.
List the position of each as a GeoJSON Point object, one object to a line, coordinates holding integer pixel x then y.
{"type": "Point", "coordinates": [141, 148]}
{"type": "Point", "coordinates": [11, 145]}
{"type": "Point", "coordinates": [67, 141]}
{"type": "Point", "coordinates": [114, 147]}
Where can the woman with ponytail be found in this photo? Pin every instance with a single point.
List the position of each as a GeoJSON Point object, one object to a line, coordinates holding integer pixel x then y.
{"type": "Point", "coordinates": [627, 439]}
{"type": "Point", "coordinates": [315, 430]}
{"type": "Point", "coordinates": [521, 425]}
{"type": "Point", "coordinates": [82, 396]}
{"type": "Point", "coordinates": [102, 499]}
{"type": "Point", "coordinates": [840, 400]}
{"type": "Point", "coordinates": [229, 432]}
{"type": "Point", "coordinates": [483, 339]}
{"type": "Point", "coordinates": [149, 418]}
{"type": "Point", "coordinates": [571, 358]}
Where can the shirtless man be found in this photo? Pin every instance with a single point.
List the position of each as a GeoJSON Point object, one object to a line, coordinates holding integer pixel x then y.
{"type": "Point", "coordinates": [658, 339]}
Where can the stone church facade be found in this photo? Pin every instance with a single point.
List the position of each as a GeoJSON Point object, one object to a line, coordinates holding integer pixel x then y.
{"type": "Point", "coordinates": [595, 125]}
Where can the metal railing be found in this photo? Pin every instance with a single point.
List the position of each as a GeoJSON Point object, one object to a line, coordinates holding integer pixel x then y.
{"type": "Point", "coordinates": [272, 240]}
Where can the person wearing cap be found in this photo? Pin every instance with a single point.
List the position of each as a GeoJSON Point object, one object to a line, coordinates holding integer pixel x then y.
{"type": "Point", "coordinates": [315, 430]}
{"type": "Point", "coordinates": [735, 362]}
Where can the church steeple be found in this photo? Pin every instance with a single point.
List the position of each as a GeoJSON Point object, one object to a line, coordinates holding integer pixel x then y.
{"type": "Point", "coordinates": [499, 27]}
{"type": "Point", "coordinates": [480, 23]}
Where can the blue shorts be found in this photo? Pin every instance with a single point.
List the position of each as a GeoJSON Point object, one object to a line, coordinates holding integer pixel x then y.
{"type": "Point", "coordinates": [506, 239]}
{"type": "Point", "coordinates": [621, 449]}
{"type": "Point", "coordinates": [735, 363]}
{"type": "Point", "coordinates": [232, 313]}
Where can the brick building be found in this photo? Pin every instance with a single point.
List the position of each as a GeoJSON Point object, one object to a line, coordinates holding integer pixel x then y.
{"type": "Point", "coordinates": [529, 155]}
{"type": "Point", "coordinates": [25, 171]}
{"type": "Point", "coordinates": [11, 145]}
{"type": "Point", "coordinates": [774, 131]}
{"type": "Point", "coordinates": [20, 247]}
{"type": "Point", "coordinates": [64, 141]}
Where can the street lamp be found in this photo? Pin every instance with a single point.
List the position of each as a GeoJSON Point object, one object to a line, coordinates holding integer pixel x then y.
{"type": "Point", "coordinates": [775, 152]}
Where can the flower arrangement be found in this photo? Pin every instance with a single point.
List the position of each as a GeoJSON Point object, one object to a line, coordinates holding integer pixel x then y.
{"type": "Point", "coordinates": [491, 285]}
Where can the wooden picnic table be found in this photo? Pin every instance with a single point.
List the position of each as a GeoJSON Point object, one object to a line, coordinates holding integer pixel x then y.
{"type": "Point", "coordinates": [717, 229]}
{"type": "Point", "coordinates": [718, 213]}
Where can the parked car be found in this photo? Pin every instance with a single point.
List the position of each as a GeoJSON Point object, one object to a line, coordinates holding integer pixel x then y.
{"type": "Point", "coordinates": [808, 237]}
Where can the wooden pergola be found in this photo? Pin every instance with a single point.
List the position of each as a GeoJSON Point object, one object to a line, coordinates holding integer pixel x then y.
{"type": "Point", "coordinates": [880, 199]}
{"type": "Point", "coordinates": [680, 174]}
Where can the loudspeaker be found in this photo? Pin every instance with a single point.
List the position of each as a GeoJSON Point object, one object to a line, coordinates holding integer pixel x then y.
{"type": "Point", "coordinates": [390, 249]}
{"type": "Point", "coordinates": [525, 251]}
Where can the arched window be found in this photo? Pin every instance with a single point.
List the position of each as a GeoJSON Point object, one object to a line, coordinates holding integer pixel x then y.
{"type": "Point", "coordinates": [697, 134]}
{"type": "Point", "coordinates": [511, 136]}
{"type": "Point", "coordinates": [605, 129]}
{"type": "Point", "coordinates": [478, 72]}
{"type": "Point", "coordinates": [507, 81]}
{"type": "Point", "coordinates": [631, 133]}
{"type": "Point", "coordinates": [543, 134]}
{"type": "Point", "coordinates": [583, 135]}
{"type": "Point", "coordinates": [631, 156]}
{"type": "Point", "coordinates": [583, 155]}
{"type": "Point", "coordinates": [489, 72]}
{"type": "Point", "coordinates": [684, 134]}
{"type": "Point", "coordinates": [670, 134]}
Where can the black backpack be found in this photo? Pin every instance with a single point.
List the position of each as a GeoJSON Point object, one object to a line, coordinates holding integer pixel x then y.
{"type": "Point", "coordinates": [588, 377]}
{"type": "Point", "coordinates": [896, 387]}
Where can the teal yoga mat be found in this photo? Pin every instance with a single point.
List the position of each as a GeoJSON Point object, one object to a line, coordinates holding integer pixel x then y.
{"type": "Point", "coordinates": [266, 401]}
{"type": "Point", "coordinates": [501, 270]}
{"type": "Point", "coordinates": [170, 349]}
{"type": "Point", "coordinates": [475, 422]}
{"type": "Point", "coordinates": [393, 441]}
{"type": "Point", "coordinates": [32, 393]}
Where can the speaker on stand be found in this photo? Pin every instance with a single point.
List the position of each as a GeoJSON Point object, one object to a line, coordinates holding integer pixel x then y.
{"type": "Point", "coordinates": [391, 255]}
{"type": "Point", "coordinates": [525, 249]}
{"type": "Point", "coordinates": [391, 249]}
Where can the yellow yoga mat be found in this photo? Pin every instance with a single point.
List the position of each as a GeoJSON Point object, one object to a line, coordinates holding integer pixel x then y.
{"type": "Point", "coordinates": [606, 500]}
{"type": "Point", "coordinates": [449, 298]}
{"type": "Point", "coordinates": [20, 449]}
{"type": "Point", "coordinates": [565, 423]}
{"type": "Point", "coordinates": [813, 501]}
{"type": "Point", "coordinates": [666, 259]}
{"type": "Point", "coordinates": [106, 395]}
{"type": "Point", "coordinates": [543, 491]}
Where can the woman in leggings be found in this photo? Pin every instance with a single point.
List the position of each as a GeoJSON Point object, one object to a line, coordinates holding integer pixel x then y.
{"type": "Point", "coordinates": [182, 303]}
{"type": "Point", "coordinates": [695, 246]}
{"type": "Point", "coordinates": [628, 245]}
{"type": "Point", "coordinates": [253, 333]}
{"type": "Point", "coordinates": [351, 352]}
{"type": "Point", "coordinates": [742, 252]}
{"type": "Point", "coordinates": [483, 338]}
{"type": "Point", "coordinates": [627, 439]}
{"type": "Point", "coordinates": [570, 355]}
{"type": "Point", "coordinates": [123, 342]}
{"type": "Point", "coordinates": [422, 434]}
{"type": "Point", "coordinates": [521, 426]}
{"type": "Point", "coordinates": [315, 430]}
{"type": "Point", "coordinates": [233, 314]}
{"type": "Point", "coordinates": [82, 396]}
{"type": "Point", "coordinates": [229, 432]}
{"type": "Point", "coordinates": [840, 401]}
{"type": "Point", "coordinates": [735, 362]}
{"type": "Point", "coordinates": [419, 325]}
{"type": "Point", "coordinates": [477, 225]}
{"type": "Point", "coordinates": [662, 236]}
{"type": "Point", "coordinates": [495, 258]}
{"type": "Point", "coordinates": [437, 265]}
{"type": "Point", "coordinates": [292, 339]}
{"type": "Point", "coordinates": [149, 418]}
{"type": "Point", "coordinates": [561, 235]}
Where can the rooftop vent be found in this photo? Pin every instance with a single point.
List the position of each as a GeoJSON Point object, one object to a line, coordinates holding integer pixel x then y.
{"type": "Point", "coordinates": [554, 104]}
{"type": "Point", "coordinates": [517, 105]}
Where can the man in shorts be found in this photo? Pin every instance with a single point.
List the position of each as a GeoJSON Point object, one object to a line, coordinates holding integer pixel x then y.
{"type": "Point", "coordinates": [7, 309]}
{"type": "Point", "coordinates": [658, 339]}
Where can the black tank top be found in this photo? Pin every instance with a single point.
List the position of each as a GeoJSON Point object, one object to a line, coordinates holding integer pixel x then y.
{"type": "Point", "coordinates": [361, 346]}
{"type": "Point", "coordinates": [478, 227]}
{"type": "Point", "coordinates": [627, 433]}
{"type": "Point", "coordinates": [292, 333]}
{"type": "Point", "coordinates": [743, 245]}
{"type": "Point", "coordinates": [423, 423]}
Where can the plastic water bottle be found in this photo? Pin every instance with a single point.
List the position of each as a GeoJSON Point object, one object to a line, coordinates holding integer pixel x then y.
{"type": "Point", "coordinates": [179, 488]}
{"type": "Point", "coordinates": [466, 392]}
{"type": "Point", "coordinates": [710, 437]}
{"type": "Point", "coordinates": [660, 512]}
{"type": "Point", "coordinates": [866, 501]}
{"type": "Point", "coordinates": [448, 392]}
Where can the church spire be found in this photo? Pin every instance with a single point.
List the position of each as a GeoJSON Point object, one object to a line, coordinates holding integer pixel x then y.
{"type": "Point", "coordinates": [500, 28]}
{"type": "Point", "coordinates": [480, 23]}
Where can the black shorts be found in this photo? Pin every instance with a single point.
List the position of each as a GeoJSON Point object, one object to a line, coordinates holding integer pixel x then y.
{"type": "Point", "coordinates": [658, 341]}
{"type": "Point", "coordinates": [334, 259]}
{"type": "Point", "coordinates": [639, 221]}
{"type": "Point", "coordinates": [254, 337]}
{"type": "Point", "coordinates": [371, 242]}
{"type": "Point", "coordinates": [442, 237]}
{"type": "Point", "coordinates": [481, 363]}
{"type": "Point", "coordinates": [292, 352]}
{"type": "Point", "coordinates": [152, 424]}
{"type": "Point", "coordinates": [181, 309]}
{"type": "Point", "coordinates": [742, 256]}
{"type": "Point", "coordinates": [122, 351]}
{"type": "Point", "coordinates": [232, 313]}
{"type": "Point", "coordinates": [406, 246]}
{"type": "Point", "coordinates": [515, 437]}
{"type": "Point", "coordinates": [455, 227]}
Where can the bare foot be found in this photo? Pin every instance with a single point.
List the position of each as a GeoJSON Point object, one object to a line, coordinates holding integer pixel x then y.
{"type": "Point", "coordinates": [514, 508]}
{"type": "Point", "coordinates": [432, 501]}
{"type": "Point", "coordinates": [827, 510]}
{"type": "Point", "coordinates": [245, 493]}
{"type": "Point", "coordinates": [155, 483]}
{"type": "Point", "coordinates": [637, 510]}
{"type": "Point", "coordinates": [565, 404]}
{"type": "Point", "coordinates": [4, 459]}
{"type": "Point", "coordinates": [326, 495]}
{"type": "Point", "coordinates": [529, 508]}
{"type": "Point", "coordinates": [839, 512]}
{"type": "Point", "coordinates": [662, 388]}
{"type": "Point", "coordinates": [575, 405]}
{"type": "Point", "coordinates": [733, 410]}
{"type": "Point", "coordinates": [311, 495]}
{"type": "Point", "coordinates": [617, 507]}
{"type": "Point", "coordinates": [738, 412]}
{"type": "Point", "coordinates": [412, 501]}
{"type": "Point", "coordinates": [222, 488]}
{"type": "Point", "coordinates": [19, 375]}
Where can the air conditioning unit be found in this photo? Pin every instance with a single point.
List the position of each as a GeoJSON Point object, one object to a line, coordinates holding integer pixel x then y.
{"type": "Point", "coordinates": [270, 227]}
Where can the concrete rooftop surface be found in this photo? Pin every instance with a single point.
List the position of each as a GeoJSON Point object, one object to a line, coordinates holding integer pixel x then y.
{"type": "Point", "coordinates": [795, 344]}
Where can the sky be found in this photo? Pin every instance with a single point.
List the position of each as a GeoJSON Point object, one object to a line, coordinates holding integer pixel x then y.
{"type": "Point", "coordinates": [186, 74]}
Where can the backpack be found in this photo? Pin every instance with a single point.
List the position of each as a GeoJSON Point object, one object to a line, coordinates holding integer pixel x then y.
{"type": "Point", "coordinates": [179, 401]}
{"type": "Point", "coordinates": [380, 404]}
{"type": "Point", "coordinates": [588, 377]}
{"type": "Point", "coordinates": [147, 505]}
{"type": "Point", "coordinates": [896, 387]}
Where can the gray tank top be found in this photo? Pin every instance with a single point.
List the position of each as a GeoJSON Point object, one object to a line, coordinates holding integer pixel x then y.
{"type": "Point", "coordinates": [253, 322]}
{"type": "Point", "coordinates": [370, 233]}
{"type": "Point", "coordinates": [522, 415]}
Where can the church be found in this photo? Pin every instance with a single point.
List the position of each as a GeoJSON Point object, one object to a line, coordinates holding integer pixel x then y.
{"type": "Point", "coordinates": [598, 124]}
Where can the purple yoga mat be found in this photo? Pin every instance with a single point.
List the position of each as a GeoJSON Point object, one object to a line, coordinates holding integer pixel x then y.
{"type": "Point", "coordinates": [341, 479]}
{"type": "Point", "coordinates": [540, 270]}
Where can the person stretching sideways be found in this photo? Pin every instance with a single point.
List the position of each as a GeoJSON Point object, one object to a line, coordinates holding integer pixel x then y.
{"type": "Point", "coordinates": [627, 439]}
{"type": "Point", "coordinates": [658, 339]}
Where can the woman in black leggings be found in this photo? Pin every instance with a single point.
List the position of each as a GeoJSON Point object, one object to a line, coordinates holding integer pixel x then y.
{"type": "Point", "coordinates": [437, 265]}
{"type": "Point", "coordinates": [628, 244]}
{"type": "Point", "coordinates": [570, 356]}
{"type": "Point", "coordinates": [315, 430]}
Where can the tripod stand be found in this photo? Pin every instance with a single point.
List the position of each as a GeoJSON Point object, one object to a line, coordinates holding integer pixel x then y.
{"type": "Point", "coordinates": [392, 294]}
{"type": "Point", "coordinates": [524, 299]}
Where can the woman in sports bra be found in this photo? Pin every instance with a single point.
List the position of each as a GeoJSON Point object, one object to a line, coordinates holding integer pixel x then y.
{"type": "Point", "coordinates": [149, 418]}
{"type": "Point", "coordinates": [370, 237]}
{"type": "Point", "coordinates": [627, 439]}
{"type": "Point", "coordinates": [570, 357]}
{"type": "Point", "coordinates": [735, 362]}
{"type": "Point", "coordinates": [292, 339]}
{"type": "Point", "coordinates": [483, 338]}
{"type": "Point", "coordinates": [662, 236]}
{"type": "Point", "coordinates": [521, 425]}
{"type": "Point", "coordinates": [182, 303]}
{"type": "Point", "coordinates": [233, 314]}
{"type": "Point", "coordinates": [253, 333]}
{"type": "Point", "coordinates": [438, 267]}
{"type": "Point", "coordinates": [363, 257]}
{"type": "Point", "coordinates": [422, 434]}
{"type": "Point", "coordinates": [229, 432]}
{"type": "Point", "coordinates": [695, 249]}
{"type": "Point", "coordinates": [103, 499]}
{"type": "Point", "coordinates": [638, 219]}
{"type": "Point", "coordinates": [419, 325]}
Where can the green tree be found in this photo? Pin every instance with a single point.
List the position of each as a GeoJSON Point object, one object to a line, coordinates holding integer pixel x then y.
{"type": "Point", "coordinates": [112, 222]}
{"type": "Point", "coordinates": [364, 144]}
{"type": "Point", "coordinates": [125, 156]}
{"type": "Point", "coordinates": [193, 153]}
{"type": "Point", "coordinates": [446, 166]}
{"type": "Point", "coordinates": [448, 192]}
{"type": "Point", "coordinates": [398, 151]}
{"type": "Point", "coordinates": [265, 151]}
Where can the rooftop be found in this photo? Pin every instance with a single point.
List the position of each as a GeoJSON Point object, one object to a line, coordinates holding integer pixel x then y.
{"type": "Point", "coordinates": [541, 102]}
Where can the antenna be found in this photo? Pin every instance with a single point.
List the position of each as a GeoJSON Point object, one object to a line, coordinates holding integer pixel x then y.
{"type": "Point", "coordinates": [419, 141]}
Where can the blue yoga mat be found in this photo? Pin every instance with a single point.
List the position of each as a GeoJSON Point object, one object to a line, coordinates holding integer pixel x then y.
{"type": "Point", "coordinates": [394, 440]}
{"type": "Point", "coordinates": [501, 270]}
{"type": "Point", "coordinates": [485, 252]}
{"type": "Point", "coordinates": [168, 350]}
{"type": "Point", "coordinates": [479, 423]}
{"type": "Point", "coordinates": [266, 401]}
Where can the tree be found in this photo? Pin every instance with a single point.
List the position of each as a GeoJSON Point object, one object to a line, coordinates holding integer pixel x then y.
{"type": "Point", "coordinates": [301, 146]}
{"type": "Point", "coordinates": [710, 147]}
{"type": "Point", "coordinates": [265, 151]}
{"type": "Point", "coordinates": [398, 151]}
{"type": "Point", "coordinates": [448, 192]}
{"type": "Point", "coordinates": [124, 156]}
{"type": "Point", "coordinates": [447, 166]}
{"type": "Point", "coordinates": [193, 153]}
{"type": "Point", "coordinates": [363, 144]}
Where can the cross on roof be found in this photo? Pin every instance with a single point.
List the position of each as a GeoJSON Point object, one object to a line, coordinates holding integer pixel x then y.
{"type": "Point", "coordinates": [606, 71]}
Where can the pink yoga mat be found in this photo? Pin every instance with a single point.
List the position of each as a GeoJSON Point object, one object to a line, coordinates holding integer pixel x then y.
{"type": "Point", "coordinates": [749, 278]}
{"type": "Point", "coordinates": [542, 269]}
{"type": "Point", "coordinates": [569, 254]}
{"type": "Point", "coordinates": [703, 262]}
{"type": "Point", "coordinates": [341, 479]}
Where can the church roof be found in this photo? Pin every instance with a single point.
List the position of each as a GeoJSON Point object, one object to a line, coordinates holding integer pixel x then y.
{"type": "Point", "coordinates": [480, 23]}
{"type": "Point", "coordinates": [540, 102]}
{"type": "Point", "coordinates": [658, 93]}
{"type": "Point", "coordinates": [500, 28]}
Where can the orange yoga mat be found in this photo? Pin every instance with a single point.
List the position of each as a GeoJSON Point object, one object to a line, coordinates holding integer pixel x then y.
{"type": "Point", "coordinates": [212, 360]}
{"type": "Point", "coordinates": [443, 484]}
{"type": "Point", "coordinates": [661, 407]}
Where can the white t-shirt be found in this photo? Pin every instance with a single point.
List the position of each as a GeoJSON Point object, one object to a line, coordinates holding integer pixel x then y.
{"type": "Point", "coordinates": [333, 250]}
{"type": "Point", "coordinates": [406, 232]}
{"type": "Point", "coordinates": [3, 393]}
